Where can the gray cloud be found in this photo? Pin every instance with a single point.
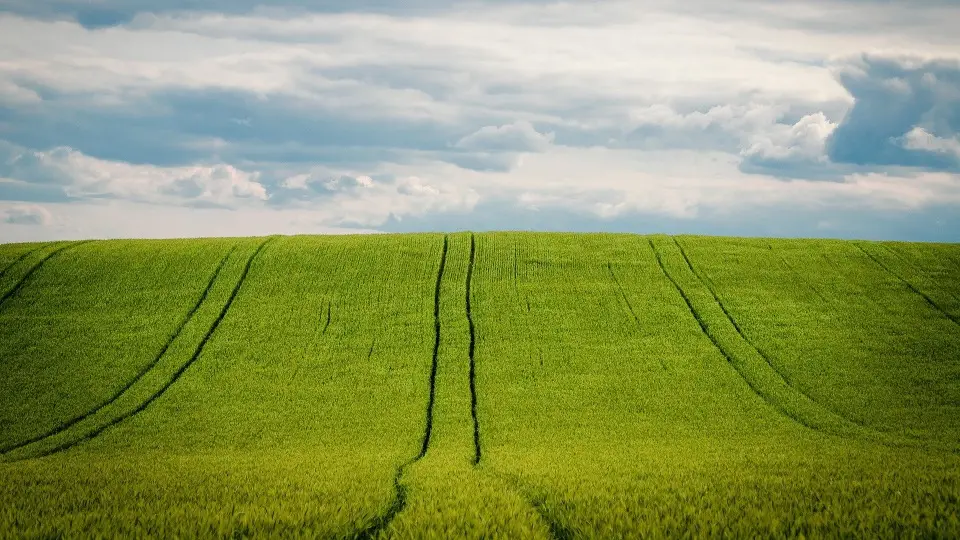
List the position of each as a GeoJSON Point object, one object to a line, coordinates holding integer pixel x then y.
{"type": "Point", "coordinates": [27, 215]}
{"type": "Point", "coordinates": [104, 13]}
{"type": "Point", "coordinates": [498, 148]}
{"type": "Point", "coordinates": [893, 97]}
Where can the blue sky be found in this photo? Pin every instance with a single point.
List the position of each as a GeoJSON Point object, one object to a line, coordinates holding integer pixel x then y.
{"type": "Point", "coordinates": [141, 118]}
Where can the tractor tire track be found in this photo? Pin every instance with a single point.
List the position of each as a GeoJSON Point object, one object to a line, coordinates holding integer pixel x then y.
{"type": "Point", "coordinates": [782, 376]}
{"type": "Point", "coordinates": [799, 276]}
{"type": "Point", "coordinates": [899, 254]}
{"type": "Point", "coordinates": [703, 327]}
{"type": "Point", "coordinates": [436, 350]}
{"type": "Point", "coordinates": [18, 259]}
{"type": "Point", "coordinates": [473, 363]}
{"type": "Point", "coordinates": [623, 295]}
{"type": "Point", "coordinates": [143, 371]}
{"type": "Point", "coordinates": [381, 522]}
{"type": "Point", "coordinates": [326, 323]}
{"type": "Point", "coordinates": [176, 376]}
{"type": "Point", "coordinates": [23, 280]}
{"type": "Point", "coordinates": [557, 531]}
{"type": "Point", "coordinates": [537, 501]}
{"type": "Point", "coordinates": [934, 305]}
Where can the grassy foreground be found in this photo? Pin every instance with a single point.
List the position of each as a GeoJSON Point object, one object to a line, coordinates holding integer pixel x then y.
{"type": "Point", "coordinates": [489, 385]}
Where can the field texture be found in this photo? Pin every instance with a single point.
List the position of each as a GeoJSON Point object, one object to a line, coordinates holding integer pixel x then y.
{"type": "Point", "coordinates": [479, 385]}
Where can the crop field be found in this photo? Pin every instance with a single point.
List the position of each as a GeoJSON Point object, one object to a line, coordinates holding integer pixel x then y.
{"type": "Point", "coordinates": [514, 385]}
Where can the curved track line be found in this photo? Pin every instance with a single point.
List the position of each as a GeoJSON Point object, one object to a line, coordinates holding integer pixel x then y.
{"type": "Point", "coordinates": [898, 254]}
{"type": "Point", "coordinates": [623, 295]}
{"type": "Point", "coordinates": [19, 285]}
{"type": "Point", "coordinates": [934, 305]}
{"type": "Point", "coordinates": [554, 528]}
{"type": "Point", "coordinates": [381, 522]}
{"type": "Point", "coordinates": [706, 332]}
{"type": "Point", "coordinates": [143, 371]}
{"type": "Point", "coordinates": [436, 351]}
{"type": "Point", "coordinates": [20, 258]}
{"type": "Point", "coordinates": [557, 531]}
{"type": "Point", "coordinates": [176, 376]}
{"type": "Point", "coordinates": [473, 364]}
{"type": "Point", "coordinates": [783, 377]}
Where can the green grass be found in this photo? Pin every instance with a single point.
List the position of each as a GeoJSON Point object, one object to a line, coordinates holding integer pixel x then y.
{"type": "Point", "coordinates": [488, 385]}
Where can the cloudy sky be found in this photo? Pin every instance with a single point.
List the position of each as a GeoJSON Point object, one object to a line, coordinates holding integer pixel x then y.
{"type": "Point", "coordinates": [165, 118]}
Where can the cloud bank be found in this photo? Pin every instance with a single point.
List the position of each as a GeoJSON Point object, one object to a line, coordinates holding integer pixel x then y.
{"type": "Point", "coordinates": [816, 118]}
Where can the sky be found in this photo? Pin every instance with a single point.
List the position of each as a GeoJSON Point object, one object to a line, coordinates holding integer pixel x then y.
{"type": "Point", "coordinates": [185, 118]}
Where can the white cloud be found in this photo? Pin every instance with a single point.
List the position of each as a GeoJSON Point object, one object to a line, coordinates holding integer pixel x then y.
{"type": "Point", "coordinates": [349, 199]}
{"type": "Point", "coordinates": [519, 136]}
{"type": "Point", "coordinates": [319, 181]}
{"type": "Point", "coordinates": [684, 184]}
{"type": "Point", "coordinates": [127, 219]}
{"type": "Point", "coordinates": [720, 77]}
{"type": "Point", "coordinates": [470, 57]}
{"type": "Point", "coordinates": [734, 118]}
{"type": "Point", "coordinates": [801, 142]}
{"type": "Point", "coordinates": [12, 93]}
{"type": "Point", "coordinates": [83, 176]}
{"type": "Point", "coordinates": [404, 197]}
{"type": "Point", "coordinates": [921, 139]}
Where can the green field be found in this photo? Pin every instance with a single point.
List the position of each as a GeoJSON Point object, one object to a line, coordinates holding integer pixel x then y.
{"type": "Point", "coordinates": [479, 385]}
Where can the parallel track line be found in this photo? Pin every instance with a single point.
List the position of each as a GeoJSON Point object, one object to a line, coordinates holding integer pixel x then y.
{"type": "Point", "coordinates": [23, 280]}
{"type": "Point", "coordinates": [18, 259]}
{"type": "Point", "coordinates": [142, 373]}
{"type": "Point", "coordinates": [713, 339]}
{"type": "Point", "coordinates": [736, 326]}
{"type": "Point", "coordinates": [623, 295]}
{"type": "Point", "coordinates": [399, 502]}
{"type": "Point", "coordinates": [176, 376]}
{"type": "Point", "coordinates": [934, 305]}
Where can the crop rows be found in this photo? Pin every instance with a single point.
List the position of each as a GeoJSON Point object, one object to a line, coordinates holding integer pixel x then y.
{"type": "Point", "coordinates": [502, 384]}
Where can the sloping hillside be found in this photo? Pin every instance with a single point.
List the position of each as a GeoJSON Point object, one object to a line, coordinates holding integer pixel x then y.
{"type": "Point", "coordinates": [514, 384]}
